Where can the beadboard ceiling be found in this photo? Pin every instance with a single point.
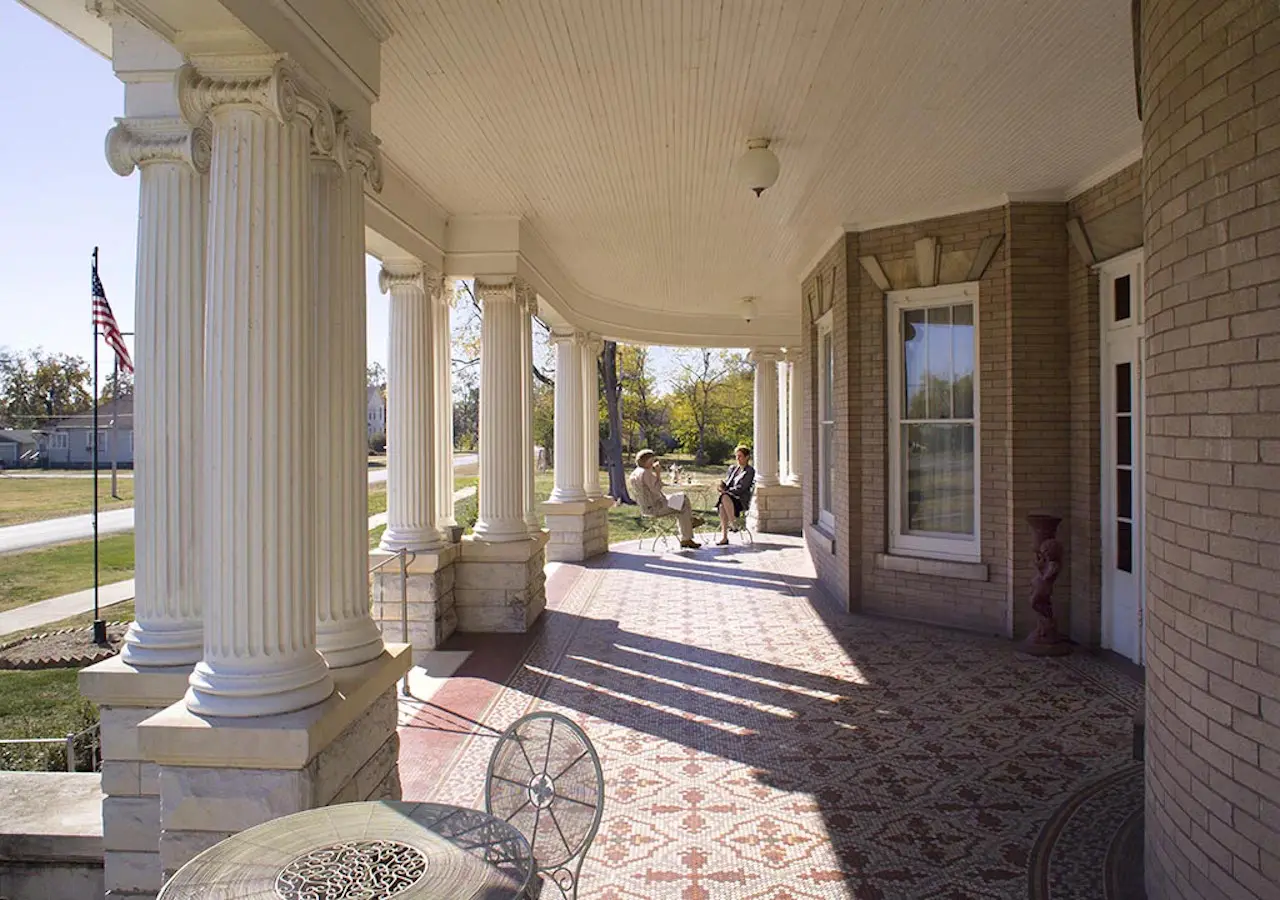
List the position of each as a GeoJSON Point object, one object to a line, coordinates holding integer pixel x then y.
{"type": "Point", "coordinates": [612, 126]}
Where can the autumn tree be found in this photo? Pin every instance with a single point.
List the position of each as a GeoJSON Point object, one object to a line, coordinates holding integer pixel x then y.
{"type": "Point", "coordinates": [37, 386]}
{"type": "Point", "coordinates": [712, 403]}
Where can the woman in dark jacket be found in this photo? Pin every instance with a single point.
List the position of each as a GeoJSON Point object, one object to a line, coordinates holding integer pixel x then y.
{"type": "Point", "coordinates": [735, 492]}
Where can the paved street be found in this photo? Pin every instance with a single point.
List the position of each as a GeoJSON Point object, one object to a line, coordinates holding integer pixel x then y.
{"type": "Point", "coordinates": [77, 528]}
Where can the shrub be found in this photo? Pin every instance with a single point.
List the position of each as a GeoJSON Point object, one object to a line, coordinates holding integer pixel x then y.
{"type": "Point", "coordinates": [378, 442]}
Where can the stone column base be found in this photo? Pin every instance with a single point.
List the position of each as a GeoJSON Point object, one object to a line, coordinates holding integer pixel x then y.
{"type": "Point", "coordinates": [578, 529]}
{"type": "Point", "coordinates": [220, 776]}
{"type": "Point", "coordinates": [500, 587]}
{"type": "Point", "coordinates": [430, 608]}
{"type": "Point", "coordinates": [778, 509]}
{"type": "Point", "coordinates": [125, 696]}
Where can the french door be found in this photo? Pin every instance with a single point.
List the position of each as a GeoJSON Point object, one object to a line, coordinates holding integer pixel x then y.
{"type": "Point", "coordinates": [1123, 475]}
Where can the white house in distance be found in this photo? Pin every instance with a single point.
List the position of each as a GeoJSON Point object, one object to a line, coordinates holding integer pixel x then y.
{"type": "Point", "coordinates": [377, 411]}
{"type": "Point", "coordinates": [67, 443]}
{"type": "Point", "coordinates": [993, 258]}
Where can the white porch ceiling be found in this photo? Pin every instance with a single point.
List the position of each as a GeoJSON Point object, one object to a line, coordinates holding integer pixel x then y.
{"type": "Point", "coordinates": [612, 126]}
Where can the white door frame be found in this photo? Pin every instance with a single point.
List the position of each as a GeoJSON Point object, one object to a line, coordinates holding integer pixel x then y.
{"type": "Point", "coordinates": [1123, 593]}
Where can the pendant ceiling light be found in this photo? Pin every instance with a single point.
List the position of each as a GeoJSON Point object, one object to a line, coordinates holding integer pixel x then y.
{"type": "Point", "coordinates": [758, 168]}
{"type": "Point", "coordinates": [748, 307]}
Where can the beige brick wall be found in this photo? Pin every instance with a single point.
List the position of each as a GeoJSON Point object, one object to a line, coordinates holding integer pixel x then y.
{"type": "Point", "coordinates": [1211, 185]}
{"type": "Point", "coordinates": [1084, 613]}
{"type": "Point", "coordinates": [1039, 346]}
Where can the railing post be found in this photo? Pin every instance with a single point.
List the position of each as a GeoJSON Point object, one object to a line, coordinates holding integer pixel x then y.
{"type": "Point", "coordinates": [71, 752]}
{"type": "Point", "coordinates": [404, 614]}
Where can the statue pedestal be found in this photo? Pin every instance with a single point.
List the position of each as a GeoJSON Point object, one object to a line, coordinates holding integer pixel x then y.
{"type": "Point", "coordinates": [1045, 639]}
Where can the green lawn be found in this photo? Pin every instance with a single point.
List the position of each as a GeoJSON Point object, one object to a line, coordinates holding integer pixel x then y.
{"type": "Point", "coordinates": [377, 498]}
{"type": "Point", "coordinates": [43, 704]}
{"type": "Point", "coordinates": [34, 499]}
{"type": "Point", "coordinates": [63, 569]}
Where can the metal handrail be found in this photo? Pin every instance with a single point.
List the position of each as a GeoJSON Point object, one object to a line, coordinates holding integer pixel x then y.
{"type": "Point", "coordinates": [406, 557]}
{"type": "Point", "coordinates": [69, 741]}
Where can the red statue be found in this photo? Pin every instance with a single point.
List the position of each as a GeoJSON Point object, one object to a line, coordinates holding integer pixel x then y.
{"type": "Point", "coordinates": [1045, 640]}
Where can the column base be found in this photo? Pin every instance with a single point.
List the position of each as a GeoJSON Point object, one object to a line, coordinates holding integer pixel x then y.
{"type": "Point", "coordinates": [500, 587]}
{"type": "Point", "coordinates": [246, 693]}
{"type": "Point", "coordinates": [430, 599]}
{"type": "Point", "coordinates": [577, 530]}
{"type": "Point", "coordinates": [414, 539]}
{"type": "Point", "coordinates": [125, 696]}
{"type": "Point", "coordinates": [220, 776]}
{"type": "Point", "coordinates": [152, 647]}
{"type": "Point", "coordinates": [777, 509]}
{"type": "Point", "coordinates": [348, 643]}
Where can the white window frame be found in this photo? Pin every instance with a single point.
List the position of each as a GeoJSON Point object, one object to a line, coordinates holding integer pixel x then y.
{"type": "Point", "coordinates": [825, 333]}
{"type": "Point", "coordinates": [58, 440]}
{"type": "Point", "coordinates": [931, 546]}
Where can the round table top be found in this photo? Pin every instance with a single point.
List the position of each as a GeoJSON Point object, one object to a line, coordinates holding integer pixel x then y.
{"type": "Point", "coordinates": [371, 850]}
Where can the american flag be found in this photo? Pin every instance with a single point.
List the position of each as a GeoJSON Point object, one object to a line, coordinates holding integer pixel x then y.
{"type": "Point", "coordinates": [103, 319]}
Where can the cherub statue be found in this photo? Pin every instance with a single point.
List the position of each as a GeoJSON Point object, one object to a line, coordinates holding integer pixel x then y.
{"type": "Point", "coordinates": [1048, 565]}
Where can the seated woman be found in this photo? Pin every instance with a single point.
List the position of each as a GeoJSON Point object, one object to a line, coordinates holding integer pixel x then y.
{"type": "Point", "coordinates": [646, 482]}
{"type": "Point", "coordinates": [735, 492]}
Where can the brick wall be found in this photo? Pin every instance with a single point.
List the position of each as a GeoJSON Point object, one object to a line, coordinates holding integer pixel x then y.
{"type": "Point", "coordinates": [1039, 479]}
{"type": "Point", "coordinates": [1084, 560]}
{"type": "Point", "coordinates": [1211, 185]}
{"type": "Point", "coordinates": [971, 604]}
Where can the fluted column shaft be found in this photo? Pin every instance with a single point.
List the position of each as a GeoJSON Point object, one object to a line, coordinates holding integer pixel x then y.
{"type": "Point", "coordinates": [795, 416]}
{"type": "Point", "coordinates": [346, 634]}
{"type": "Point", "coordinates": [411, 444]}
{"type": "Point", "coordinates": [568, 419]}
{"type": "Point", "coordinates": [530, 306]}
{"type": "Point", "coordinates": [784, 422]}
{"type": "Point", "coordinates": [591, 347]}
{"type": "Point", "coordinates": [441, 303]}
{"type": "Point", "coordinates": [766, 417]}
{"type": "Point", "coordinates": [168, 402]}
{"type": "Point", "coordinates": [501, 516]}
{"type": "Point", "coordinates": [259, 569]}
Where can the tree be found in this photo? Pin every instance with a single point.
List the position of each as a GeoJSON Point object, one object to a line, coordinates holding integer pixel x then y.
{"type": "Point", "coordinates": [712, 404]}
{"type": "Point", "coordinates": [36, 386]}
{"type": "Point", "coordinates": [118, 384]}
{"type": "Point", "coordinates": [642, 413]}
{"type": "Point", "coordinates": [375, 375]}
{"type": "Point", "coordinates": [613, 404]}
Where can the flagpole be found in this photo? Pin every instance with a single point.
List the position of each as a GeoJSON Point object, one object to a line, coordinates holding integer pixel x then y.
{"type": "Point", "coordinates": [115, 413]}
{"type": "Point", "coordinates": [99, 626]}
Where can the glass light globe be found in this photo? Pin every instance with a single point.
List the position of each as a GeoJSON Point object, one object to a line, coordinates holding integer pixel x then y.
{"type": "Point", "coordinates": [758, 168]}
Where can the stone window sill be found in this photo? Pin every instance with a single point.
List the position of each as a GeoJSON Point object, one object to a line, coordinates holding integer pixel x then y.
{"type": "Point", "coordinates": [818, 536]}
{"type": "Point", "coordinates": [938, 568]}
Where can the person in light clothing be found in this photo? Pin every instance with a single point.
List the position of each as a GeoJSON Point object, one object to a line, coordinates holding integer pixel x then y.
{"type": "Point", "coordinates": [646, 482]}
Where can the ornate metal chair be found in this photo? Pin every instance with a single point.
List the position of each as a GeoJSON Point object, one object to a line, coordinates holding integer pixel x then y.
{"type": "Point", "coordinates": [656, 528]}
{"type": "Point", "coordinates": [544, 778]}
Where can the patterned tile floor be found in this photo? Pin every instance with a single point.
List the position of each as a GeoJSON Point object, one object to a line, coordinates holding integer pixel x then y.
{"type": "Point", "coordinates": [757, 743]}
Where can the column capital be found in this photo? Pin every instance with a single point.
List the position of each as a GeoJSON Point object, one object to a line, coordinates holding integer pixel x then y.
{"type": "Point", "coordinates": [269, 83]}
{"type": "Point", "coordinates": [405, 273]}
{"type": "Point", "coordinates": [137, 142]}
{"type": "Point", "coordinates": [360, 149]}
{"type": "Point", "coordinates": [764, 355]}
{"type": "Point", "coordinates": [592, 343]}
{"type": "Point", "coordinates": [561, 334]}
{"type": "Point", "coordinates": [500, 289]}
{"type": "Point", "coordinates": [526, 296]}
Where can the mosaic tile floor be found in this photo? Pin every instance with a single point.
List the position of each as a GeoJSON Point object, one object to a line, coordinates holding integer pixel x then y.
{"type": "Point", "coordinates": [758, 744]}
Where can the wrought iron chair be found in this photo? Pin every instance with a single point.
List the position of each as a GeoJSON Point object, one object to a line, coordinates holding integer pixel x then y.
{"type": "Point", "coordinates": [739, 525]}
{"type": "Point", "coordinates": [545, 779]}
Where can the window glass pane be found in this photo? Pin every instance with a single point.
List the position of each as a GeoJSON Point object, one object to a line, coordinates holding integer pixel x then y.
{"type": "Point", "coordinates": [939, 375]}
{"type": "Point", "coordinates": [1124, 440]}
{"type": "Point", "coordinates": [1124, 546]}
{"type": "Point", "coordinates": [828, 376]}
{"type": "Point", "coordinates": [826, 435]}
{"type": "Point", "coordinates": [1124, 389]}
{"type": "Point", "coordinates": [914, 364]}
{"type": "Point", "coordinates": [962, 355]}
{"type": "Point", "coordinates": [1123, 304]}
{"type": "Point", "coordinates": [938, 462]}
{"type": "Point", "coordinates": [1124, 493]}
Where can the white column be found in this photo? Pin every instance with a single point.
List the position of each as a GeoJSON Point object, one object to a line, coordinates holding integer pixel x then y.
{"type": "Point", "coordinates": [568, 418]}
{"type": "Point", "coordinates": [591, 345]}
{"type": "Point", "coordinates": [441, 304]}
{"type": "Point", "coordinates": [168, 399]}
{"type": "Point", "coordinates": [765, 451]}
{"type": "Point", "coordinates": [529, 306]}
{"type": "Point", "coordinates": [259, 437]}
{"type": "Point", "coordinates": [784, 422]}
{"type": "Point", "coordinates": [346, 634]}
{"type": "Point", "coordinates": [411, 444]}
{"type": "Point", "coordinates": [795, 413]}
{"type": "Point", "coordinates": [501, 516]}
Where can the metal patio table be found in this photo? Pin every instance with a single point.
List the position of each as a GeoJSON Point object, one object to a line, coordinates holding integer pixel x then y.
{"type": "Point", "coordinates": [369, 850]}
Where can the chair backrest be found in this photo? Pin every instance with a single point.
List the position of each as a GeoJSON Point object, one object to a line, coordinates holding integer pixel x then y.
{"type": "Point", "coordinates": [545, 779]}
